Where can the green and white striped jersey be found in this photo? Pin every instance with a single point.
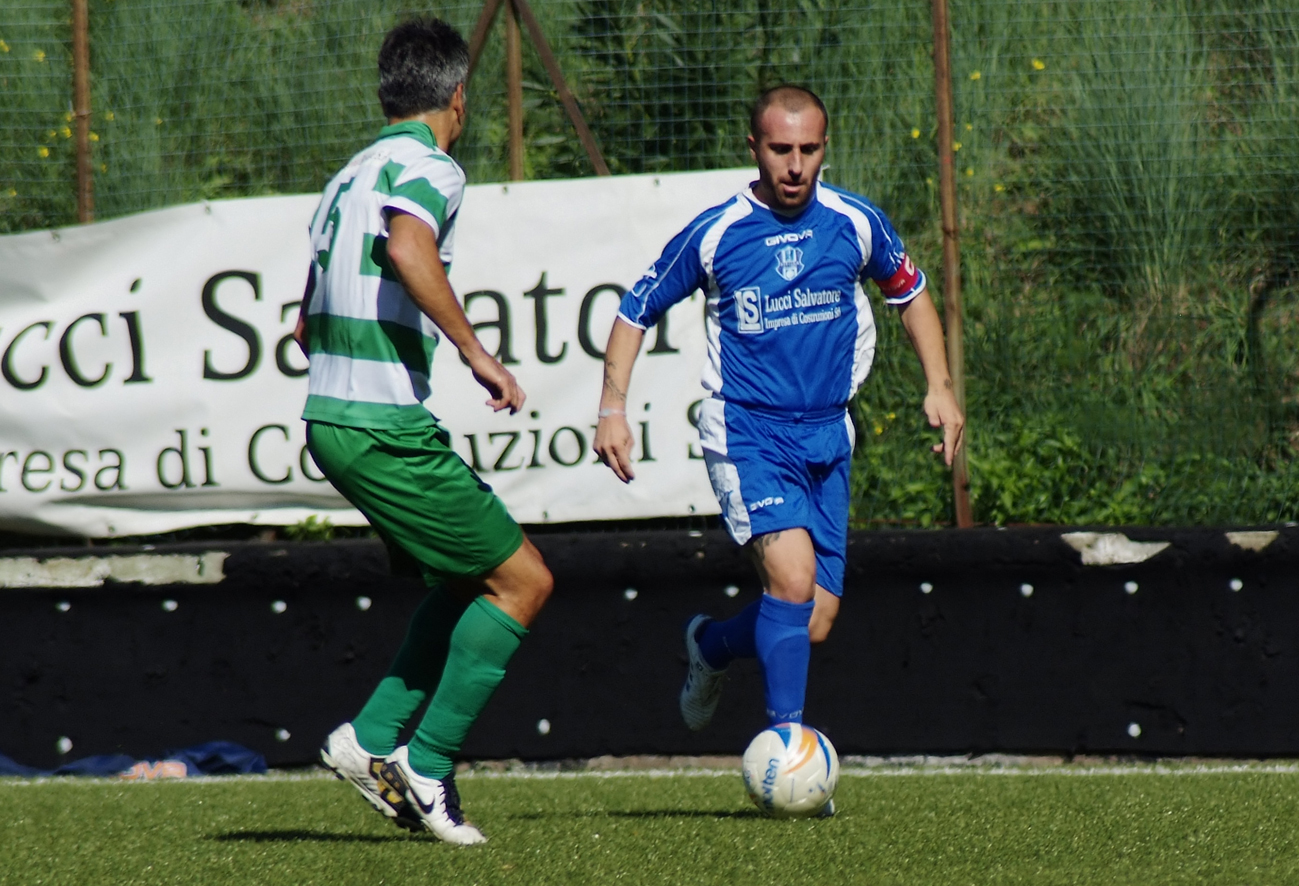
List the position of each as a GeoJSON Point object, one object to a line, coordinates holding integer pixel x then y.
{"type": "Point", "coordinates": [371, 347]}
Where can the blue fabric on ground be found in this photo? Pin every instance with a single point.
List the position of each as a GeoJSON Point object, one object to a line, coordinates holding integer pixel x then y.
{"type": "Point", "coordinates": [9, 766]}
{"type": "Point", "coordinates": [99, 765]}
{"type": "Point", "coordinates": [210, 758]}
{"type": "Point", "coordinates": [219, 758]}
{"type": "Point", "coordinates": [721, 642]}
{"type": "Point", "coordinates": [780, 635]}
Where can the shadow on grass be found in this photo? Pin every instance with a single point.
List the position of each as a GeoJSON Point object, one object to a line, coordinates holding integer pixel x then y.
{"type": "Point", "coordinates": [288, 836]}
{"type": "Point", "coordinates": [642, 814]}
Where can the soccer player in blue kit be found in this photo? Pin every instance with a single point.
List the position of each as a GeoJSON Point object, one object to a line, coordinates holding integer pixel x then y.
{"type": "Point", "coordinates": [790, 338]}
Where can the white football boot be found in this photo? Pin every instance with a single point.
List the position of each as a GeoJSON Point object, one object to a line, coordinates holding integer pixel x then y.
{"type": "Point", "coordinates": [345, 757]}
{"type": "Point", "coordinates": [435, 800]}
{"type": "Point", "coordinates": [703, 688]}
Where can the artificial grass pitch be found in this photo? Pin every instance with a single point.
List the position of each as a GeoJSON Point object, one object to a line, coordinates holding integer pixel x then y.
{"type": "Point", "coordinates": [1063, 825]}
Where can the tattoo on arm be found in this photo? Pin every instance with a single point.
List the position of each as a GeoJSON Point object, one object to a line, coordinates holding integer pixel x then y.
{"type": "Point", "coordinates": [610, 386]}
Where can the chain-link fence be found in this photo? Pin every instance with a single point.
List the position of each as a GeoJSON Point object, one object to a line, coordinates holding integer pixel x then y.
{"type": "Point", "coordinates": [1126, 170]}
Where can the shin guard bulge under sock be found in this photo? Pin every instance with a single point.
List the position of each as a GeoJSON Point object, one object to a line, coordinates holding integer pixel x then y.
{"type": "Point", "coordinates": [781, 638]}
{"type": "Point", "coordinates": [481, 646]}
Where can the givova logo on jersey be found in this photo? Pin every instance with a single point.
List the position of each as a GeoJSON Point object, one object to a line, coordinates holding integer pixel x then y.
{"type": "Point", "coordinates": [789, 262]}
{"type": "Point", "coordinates": [748, 309]}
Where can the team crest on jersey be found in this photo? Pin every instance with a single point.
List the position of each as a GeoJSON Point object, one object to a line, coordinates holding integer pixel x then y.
{"type": "Point", "coordinates": [789, 262]}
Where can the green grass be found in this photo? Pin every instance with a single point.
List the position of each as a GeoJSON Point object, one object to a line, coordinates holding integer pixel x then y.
{"type": "Point", "coordinates": [1059, 826]}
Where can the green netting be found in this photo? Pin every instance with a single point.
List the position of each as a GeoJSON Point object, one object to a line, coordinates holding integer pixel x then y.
{"type": "Point", "coordinates": [1127, 178]}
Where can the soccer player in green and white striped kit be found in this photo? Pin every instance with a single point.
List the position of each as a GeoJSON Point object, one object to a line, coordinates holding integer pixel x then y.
{"type": "Point", "coordinates": [376, 299]}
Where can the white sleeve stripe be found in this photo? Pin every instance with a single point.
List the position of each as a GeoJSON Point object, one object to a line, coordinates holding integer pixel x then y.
{"type": "Point", "coordinates": [410, 207]}
{"type": "Point", "coordinates": [630, 322]}
{"type": "Point", "coordinates": [645, 297]}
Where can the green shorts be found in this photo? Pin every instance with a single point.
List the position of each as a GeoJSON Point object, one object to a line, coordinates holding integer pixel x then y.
{"type": "Point", "coordinates": [418, 495]}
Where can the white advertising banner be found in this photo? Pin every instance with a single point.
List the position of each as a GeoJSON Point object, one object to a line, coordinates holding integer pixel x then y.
{"type": "Point", "coordinates": [148, 380]}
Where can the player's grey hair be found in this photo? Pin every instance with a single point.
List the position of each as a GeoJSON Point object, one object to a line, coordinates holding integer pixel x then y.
{"type": "Point", "coordinates": [421, 63]}
{"type": "Point", "coordinates": [789, 96]}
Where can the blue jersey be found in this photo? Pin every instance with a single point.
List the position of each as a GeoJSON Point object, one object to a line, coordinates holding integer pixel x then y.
{"type": "Point", "coordinates": [789, 324]}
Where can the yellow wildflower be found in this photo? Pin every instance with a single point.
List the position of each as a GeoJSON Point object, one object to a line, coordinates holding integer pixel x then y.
{"type": "Point", "coordinates": [891, 416]}
{"type": "Point", "coordinates": [956, 146]}
{"type": "Point", "coordinates": [94, 136]}
{"type": "Point", "coordinates": [68, 116]}
{"type": "Point", "coordinates": [51, 134]}
{"type": "Point", "coordinates": [878, 430]}
{"type": "Point", "coordinates": [103, 167]}
{"type": "Point", "coordinates": [999, 187]}
{"type": "Point", "coordinates": [108, 115]}
{"type": "Point", "coordinates": [157, 121]}
{"type": "Point", "coordinates": [969, 127]}
{"type": "Point", "coordinates": [975, 75]}
{"type": "Point", "coordinates": [915, 133]}
{"type": "Point", "coordinates": [1038, 64]}
{"type": "Point", "coordinates": [65, 132]}
{"type": "Point", "coordinates": [969, 170]}
{"type": "Point", "coordinates": [4, 47]}
{"type": "Point", "coordinates": [43, 151]}
{"type": "Point", "coordinates": [39, 55]}
{"type": "Point", "coordinates": [12, 192]}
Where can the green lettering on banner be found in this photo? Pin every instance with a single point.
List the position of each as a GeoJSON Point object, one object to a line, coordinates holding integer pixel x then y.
{"type": "Point", "coordinates": [74, 470]}
{"type": "Point", "coordinates": [182, 454]}
{"type": "Point", "coordinates": [584, 317]}
{"type": "Point", "coordinates": [118, 470]}
{"type": "Point", "coordinates": [29, 469]}
{"type": "Point", "coordinates": [69, 360]}
{"type": "Point", "coordinates": [286, 343]}
{"type": "Point", "coordinates": [254, 464]}
{"type": "Point", "coordinates": [7, 362]}
{"type": "Point", "coordinates": [539, 294]}
{"type": "Point", "coordinates": [501, 324]}
{"type": "Point", "coordinates": [232, 324]}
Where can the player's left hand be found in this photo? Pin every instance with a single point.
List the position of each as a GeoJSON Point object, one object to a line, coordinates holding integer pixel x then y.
{"type": "Point", "coordinates": [942, 411]}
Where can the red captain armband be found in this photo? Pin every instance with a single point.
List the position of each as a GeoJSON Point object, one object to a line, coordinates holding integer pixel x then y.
{"type": "Point", "coordinates": [902, 281]}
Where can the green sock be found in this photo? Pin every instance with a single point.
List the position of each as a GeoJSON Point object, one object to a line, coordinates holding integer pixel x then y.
{"type": "Point", "coordinates": [481, 646]}
{"type": "Point", "coordinates": [414, 673]}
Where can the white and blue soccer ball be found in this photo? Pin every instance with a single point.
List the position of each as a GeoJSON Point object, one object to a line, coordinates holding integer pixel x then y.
{"type": "Point", "coordinates": [790, 771]}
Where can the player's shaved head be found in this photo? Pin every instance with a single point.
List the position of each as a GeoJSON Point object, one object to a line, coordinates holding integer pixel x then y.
{"type": "Point", "coordinates": [788, 97]}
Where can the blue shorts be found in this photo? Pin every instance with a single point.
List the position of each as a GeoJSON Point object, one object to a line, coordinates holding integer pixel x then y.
{"type": "Point", "coordinates": [771, 473]}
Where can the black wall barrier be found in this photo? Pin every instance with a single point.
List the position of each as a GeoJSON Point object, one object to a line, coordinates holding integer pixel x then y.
{"type": "Point", "coordinates": [948, 642]}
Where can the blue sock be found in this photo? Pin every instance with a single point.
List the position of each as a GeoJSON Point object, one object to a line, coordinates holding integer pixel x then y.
{"type": "Point", "coordinates": [721, 642]}
{"type": "Point", "coordinates": [781, 638]}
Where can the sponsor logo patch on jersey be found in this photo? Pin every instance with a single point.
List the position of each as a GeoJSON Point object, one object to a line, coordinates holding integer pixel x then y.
{"type": "Point", "coordinates": [789, 262]}
{"type": "Point", "coordinates": [748, 309]}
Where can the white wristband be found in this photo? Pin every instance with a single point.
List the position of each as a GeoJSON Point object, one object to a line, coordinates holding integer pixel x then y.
{"type": "Point", "coordinates": [605, 413]}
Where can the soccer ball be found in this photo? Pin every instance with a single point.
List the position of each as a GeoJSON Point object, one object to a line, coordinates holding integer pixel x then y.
{"type": "Point", "coordinates": [790, 771]}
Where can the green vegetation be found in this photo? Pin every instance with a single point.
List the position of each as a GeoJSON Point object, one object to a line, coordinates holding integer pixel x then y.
{"type": "Point", "coordinates": [1054, 827]}
{"type": "Point", "coordinates": [1126, 173]}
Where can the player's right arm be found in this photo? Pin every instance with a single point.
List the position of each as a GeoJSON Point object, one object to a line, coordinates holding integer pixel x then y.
{"type": "Point", "coordinates": [613, 437]}
{"type": "Point", "coordinates": [413, 252]}
{"type": "Point", "coordinates": [677, 273]}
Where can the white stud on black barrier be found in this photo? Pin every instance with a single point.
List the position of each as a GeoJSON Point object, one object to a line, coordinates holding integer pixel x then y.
{"type": "Point", "coordinates": [279, 606]}
{"type": "Point", "coordinates": [1235, 584]}
{"type": "Point", "coordinates": [63, 745]}
{"type": "Point", "coordinates": [63, 606]}
{"type": "Point", "coordinates": [282, 734]}
{"type": "Point", "coordinates": [363, 603]}
{"type": "Point", "coordinates": [1134, 730]}
{"type": "Point", "coordinates": [630, 594]}
{"type": "Point", "coordinates": [1130, 587]}
{"type": "Point", "coordinates": [170, 605]}
{"type": "Point", "coordinates": [543, 727]}
{"type": "Point", "coordinates": [731, 590]}
{"type": "Point", "coordinates": [1026, 589]}
{"type": "Point", "coordinates": [926, 588]}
